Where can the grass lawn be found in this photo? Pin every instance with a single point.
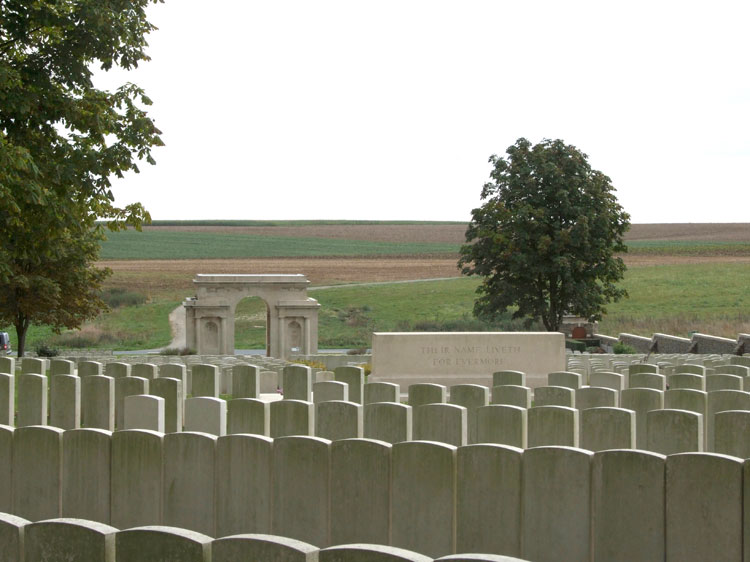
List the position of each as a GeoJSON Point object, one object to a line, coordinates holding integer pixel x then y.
{"type": "Point", "coordinates": [672, 299]}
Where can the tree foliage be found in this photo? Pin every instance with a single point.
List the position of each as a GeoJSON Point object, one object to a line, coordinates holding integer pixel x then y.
{"type": "Point", "coordinates": [61, 141]}
{"type": "Point", "coordinates": [546, 235]}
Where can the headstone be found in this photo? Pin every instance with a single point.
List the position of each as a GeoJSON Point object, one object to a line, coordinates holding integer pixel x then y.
{"type": "Point", "coordinates": [389, 422]}
{"type": "Point", "coordinates": [37, 472]}
{"type": "Point", "coordinates": [692, 369]}
{"type": "Point", "coordinates": [136, 473]}
{"type": "Point", "coordinates": [552, 425]}
{"type": "Point", "coordinates": [628, 510]}
{"type": "Point", "coordinates": [86, 477]}
{"type": "Point", "coordinates": [556, 498]}
{"type": "Point", "coordinates": [8, 365]}
{"type": "Point", "coordinates": [594, 397]}
{"type": "Point", "coordinates": [65, 402]}
{"type": "Point", "coordinates": [175, 371]}
{"type": "Point", "coordinates": [686, 380]}
{"type": "Point", "coordinates": [205, 380]}
{"type": "Point", "coordinates": [144, 412]}
{"type": "Point", "coordinates": [511, 395]}
{"type": "Point", "coordinates": [172, 391]}
{"type": "Point", "coordinates": [605, 379]}
{"type": "Point", "coordinates": [336, 419]}
{"type": "Point", "coordinates": [153, 543]}
{"type": "Point", "coordinates": [648, 380]}
{"type": "Point", "coordinates": [488, 498]}
{"type": "Point", "coordinates": [297, 383]}
{"type": "Point", "coordinates": [515, 378]}
{"type": "Point", "coordinates": [637, 368]}
{"type": "Point", "coordinates": [674, 431]}
{"type": "Point", "coordinates": [704, 507]}
{"type": "Point", "coordinates": [117, 370]}
{"type": "Point", "coordinates": [245, 381]}
{"type": "Point", "coordinates": [607, 428]}
{"type": "Point", "coordinates": [6, 467]}
{"type": "Point", "coordinates": [145, 371]}
{"type": "Point", "coordinates": [127, 386]}
{"type": "Point", "coordinates": [301, 489]}
{"type": "Point", "coordinates": [427, 393]}
{"type": "Point", "coordinates": [505, 425]}
{"type": "Point", "coordinates": [60, 540]}
{"type": "Point", "coordinates": [361, 471]}
{"type": "Point", "coordinates": [61, 367]}
{"type": "Point", "coordinates": [445, 423]}
{"type": "Point", "coordinates": [471, 397]}
{"type": "Point", "coordinates": [243, 489]}
{"type": "Point", "coordinates": [641, 401]}
{"type": "Point", "coordinates": [89, 368]}
{"type": "Point", "coordinates": [367, 552]}
{"type": "Point", "coordinates": [7, 399]}
{"type": "Point", "coordinates": [732, 433]}
{"type": "Point", "coordinates": [262, 547]}
{"type": "Point", "coordinates": [31, 399]}
{"type": "Point", "coordinates": [33, 366]}
{"type": "Point", "coordinates": [355, 378]}
{"type": "Point", "coordinates": [564, 378]}
{"type": "Point", "coordinates": [330, 390]}
{"type": "Point", "coordinates": [206, 414]}
{"type": "Point", "coordinates": [189, 482]}
{"type": "Point", "coordinates": [723, 382]}
{"type": "Point", "coordinates": [248, 415]}
{"type": "Point", "coordinates": [11, 537]}
{"type": "Point", "coordinates": [424, 497]}
{"type": "Point", "coordinates": [721, 401]}
{"type": "Point", "coordinates": [292, 417]}
{"type": "Point", "coordinates": [98, 402]}
{"type": "Point", "coordinates": [381, 392]}
{"type": "Point", "coordinates": [554, 396]}
{"type": "Point", "coordinates": [268, 382]}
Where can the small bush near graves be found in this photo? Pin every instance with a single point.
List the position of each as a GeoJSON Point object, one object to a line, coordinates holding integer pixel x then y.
{"type": "Point", "coordinates": [88, 337]}
{"type": "Point", "coordinates": [178, 351]}
{"type": "Point", "coordinates": [43, 350]}
{"type": "Point", "coordinates": [623, 349]}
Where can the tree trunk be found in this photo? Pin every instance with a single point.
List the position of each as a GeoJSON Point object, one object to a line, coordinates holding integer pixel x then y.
{"type": "Point", "coordinates": [22, 326]}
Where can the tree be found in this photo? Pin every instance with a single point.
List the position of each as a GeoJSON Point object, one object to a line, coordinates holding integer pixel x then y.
{"type": "Point", "coordinates": [61, 140]}
{"type": "Point", "coordinates": [545, 238]}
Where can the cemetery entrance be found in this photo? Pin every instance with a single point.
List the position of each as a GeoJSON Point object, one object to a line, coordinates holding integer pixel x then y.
{"type": "Point", "coordinates": [291, 326]}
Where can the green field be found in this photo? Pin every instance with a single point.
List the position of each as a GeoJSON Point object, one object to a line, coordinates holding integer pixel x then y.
{"type": "Point", "coordinates": [675, 299]}
{"type": "Point", "coordinates": [170, 245]}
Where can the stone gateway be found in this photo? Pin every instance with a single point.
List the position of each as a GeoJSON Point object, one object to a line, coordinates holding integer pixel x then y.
{"type": "Point", "coordinates": [292, 322]}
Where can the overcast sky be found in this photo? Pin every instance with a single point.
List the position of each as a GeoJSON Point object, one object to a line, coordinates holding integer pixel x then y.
{"type": "Point", "coordinates": [390, 109]}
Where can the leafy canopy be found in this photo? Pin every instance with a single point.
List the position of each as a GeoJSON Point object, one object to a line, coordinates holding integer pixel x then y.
{"type": "Point", "coordinates": [61, 142]}
{"type": "Point", "coordinates": [545, 238]}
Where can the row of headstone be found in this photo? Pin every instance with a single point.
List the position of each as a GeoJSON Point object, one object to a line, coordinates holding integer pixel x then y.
{"type": "Point", "coordinates": [544, 503]}
{"type": "Point", "coordinates": [62, 540]}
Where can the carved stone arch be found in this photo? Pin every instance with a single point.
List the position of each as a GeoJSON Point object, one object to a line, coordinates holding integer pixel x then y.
{"type": "Point", "coordinates": [289, 308]}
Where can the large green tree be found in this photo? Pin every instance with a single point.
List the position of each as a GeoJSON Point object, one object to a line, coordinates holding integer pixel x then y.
{"type": "Point", "coordinates": [61, 141]}
{"type": "Point", "coordinates": [546, 236]}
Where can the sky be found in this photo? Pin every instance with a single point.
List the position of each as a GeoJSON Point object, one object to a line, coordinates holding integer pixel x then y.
{"type": "Point", "coordinates": [390, 109]}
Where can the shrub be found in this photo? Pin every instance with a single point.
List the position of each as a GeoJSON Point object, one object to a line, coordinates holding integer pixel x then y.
{"type": "Point", "coordinates": [357, 351]}
{"type": "Point", "coordinates": [117, 297]}
{"type": "Point", "coordinates": [177, 351]}
{"type": "Point", "coordinates": [87, 337]}
{"type": "Point", "coordinates": [43, 350]}
{"type": "Point", "coordinates": [623, 349]}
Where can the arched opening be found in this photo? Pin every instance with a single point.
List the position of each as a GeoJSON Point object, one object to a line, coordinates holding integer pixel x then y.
{"type": "Point", "coordinates": [251, 325]}
{"type": "Point", "coordinates": [211, 335]}
{"type": "Point", "coordinates": [294, 337]}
